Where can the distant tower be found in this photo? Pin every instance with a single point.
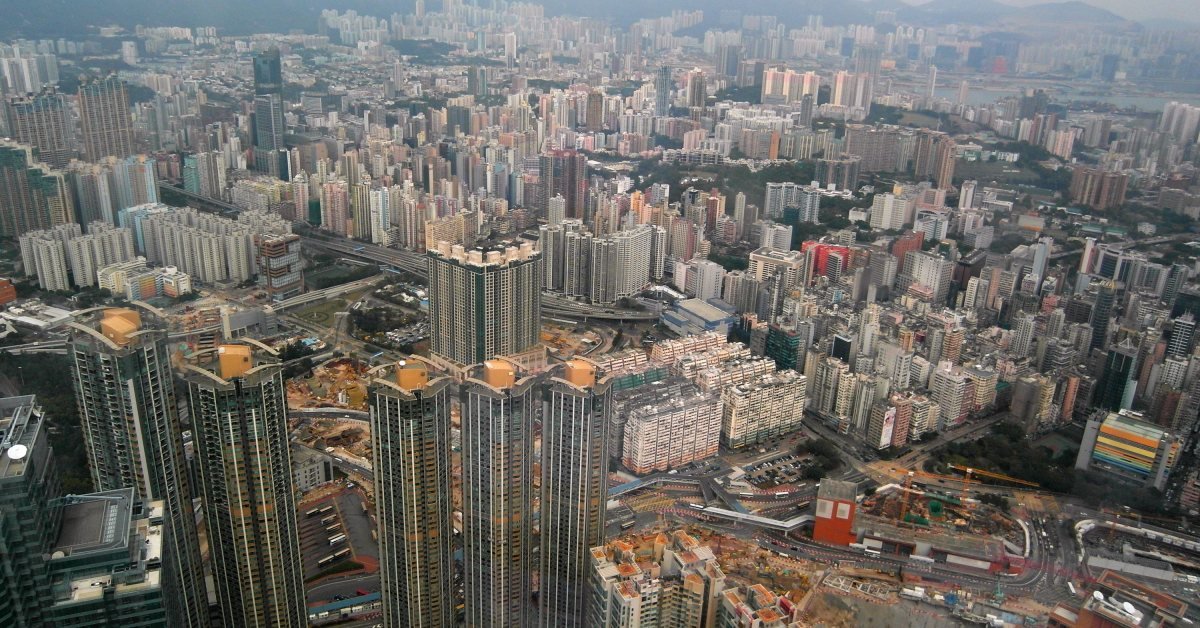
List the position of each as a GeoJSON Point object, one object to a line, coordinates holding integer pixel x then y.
{"type": "Point", "coordinates": [1101, 313]}
{"type": "Point", "coordinates": [499, 406]}
{"type": "Point", "coordinates": [238, 408]}
{"type": "Point", "coordinates": [44, 122]}
{"type": "Point", "coordinates": [32, 195]}
{"type": "Point", "coordinates": [574, 488]}
{"type": "Point", "coordinates": [122, 374]}
{"type": "Point", "coordinates": [105, 118]}
{"type": "Point", "coordinates": [268, 114]}
{"type": "Point", "coordinates": [697, 89]}
{"type": "Point", "coordinates": [662, 91]}
{"type": "Point", "coordinates": [931, 87]}
{"type": "Point", "coordinates": [410, 436]}
{"type": "Point", "coordinates": [963, 88]}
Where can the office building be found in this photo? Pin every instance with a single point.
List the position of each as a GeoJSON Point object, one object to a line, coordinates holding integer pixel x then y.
{"type": "Point", "coordinates": [766, 262]}
{"type": "Point", "coordinates": [574, 466]}
{"type": "Point", "coordinates": [1183, 334]}
{"type": "Point", "coordinates": [662, 91]}
{"type": "Point", "coordinates": [43, 121]}
{"type": "Point", "coordinates": [410, 438]}
{"type": "Point", "coordinates": [269, 154]}
{"type": "Point", "coordinates": [132, 434]}
{"type": "Point", "coordinates": [1118, 380]}
{"type": "Point", "coordinates": [30, 512]}
{"type": "Point", "coordinates": [1125, 446]}
{"type": "Point", "coordinates": [1101, 314]}
{"type": "Point", "coordinates": [484, 302]}
{"type": "Point", "coordinates": [238, 406]}
{"type": "Point", "coordinates": [280, 267]}
{"type": "Point", "coordinates": [110, 563]}
{"type": "Point", "coordinates": [33, 195]}
{"type": "Point", "coordinates": [499, 406]}
{"type": "Point", "coordinates": [105, 119]}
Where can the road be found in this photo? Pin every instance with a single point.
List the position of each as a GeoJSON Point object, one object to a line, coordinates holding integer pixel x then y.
{"type": "Point", "coordinates": [347, 587]}
{"type": "Point", "coordinates": [416, 264]}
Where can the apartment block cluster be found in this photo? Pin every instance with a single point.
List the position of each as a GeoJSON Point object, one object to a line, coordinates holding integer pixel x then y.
{"type": "Point", "coordinates": [671, 580]}
{"type": "Point", "coordinates": [682, 400]}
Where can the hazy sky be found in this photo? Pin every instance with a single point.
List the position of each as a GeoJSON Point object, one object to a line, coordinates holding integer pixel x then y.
{"type": "Point", "coordinates": [1132, 10]}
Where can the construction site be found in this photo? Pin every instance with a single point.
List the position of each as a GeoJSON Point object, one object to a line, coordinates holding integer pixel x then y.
{"type": "Point", "coordinates": [338, 383]}
{"type": "Point", "coordinates": [958, 527]}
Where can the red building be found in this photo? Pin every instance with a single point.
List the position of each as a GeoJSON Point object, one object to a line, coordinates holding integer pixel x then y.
{"type": "Point", "coordinates": [835, 512]}
{"type": "Point", "coordinates": [820, 255]}
{"type": "Point", "coordinates": [8, 292]}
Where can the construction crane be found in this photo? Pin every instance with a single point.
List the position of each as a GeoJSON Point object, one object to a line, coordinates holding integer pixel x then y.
{"type": "Point", "coordinates": [968, 472]}
{"type": "Point", "coordinates": [907, 495]}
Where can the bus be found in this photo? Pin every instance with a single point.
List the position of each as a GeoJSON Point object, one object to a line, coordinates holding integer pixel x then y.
{"type": "Point", "coordinates": [324, 510]}
{"type": "Point", "coordinates": [333, 528]}
{"type": "Point", "coordinates": [1071, 587]}
{"type": "Point", "coordinates": [628, 524]}
{"type": "Point", "coordinates": [325, 561]}
{"type": "Point", "coordinates": [337, 538]}
{"type": "Point", "coordinates": [328, 519]}
{"type": "Point", "coordinates": [342, 553]}
{"type": "Point", "coordinates": [782, 495]}
{"type": "Point", "coordinates": [311, 513]}
{"type": "Point", "coordinates": [696, 506]}
{"type": "Point", "coordinates": [922, 559]}
{"type": "Point", "coordinates": [363, 502]}
{"type": "Point", "coordinates": [873, 553]}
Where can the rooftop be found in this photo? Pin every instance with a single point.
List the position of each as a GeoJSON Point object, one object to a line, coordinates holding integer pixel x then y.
{"type": "Point", "coordinates": [95, 522]}
{"type": "Point", "coordinates": [837, 490]}
{"type": "Point", "coordinates": [19, 426]}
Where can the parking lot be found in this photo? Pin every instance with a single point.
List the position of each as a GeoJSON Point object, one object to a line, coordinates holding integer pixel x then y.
{"type": "Point", "coordinates": [782, 469]}
{"type": "Point", "coordinates": [337, 527]}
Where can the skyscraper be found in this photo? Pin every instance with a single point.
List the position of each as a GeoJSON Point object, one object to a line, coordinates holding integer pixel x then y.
{"type": "Point", "coordinates": [33, 196]}
{"type": "Point", "coordinates": [1101, 313]}
{"type": "Point", "coordinates": [44, 122]}
{"type": "Point", "coordinates": [122, 375]}
{"type": "Point", "coordinates": [410, 437]}
{"type": "Point", "coordinates": [499, 405]}
{"type": "Point", "coordinates": [484, 302]}
{"type": "Point", "coordinates": [29, 512]}
{"type": "Point", "coordinates": [574, 487]}
{"type": "Point", "coordinates": [1115, 389]}
{"type": "Point", "coordinates": [105, 119]}
{"type": "Point", "coordinates": [78, 560]}
{"type": "Point", "coordinates": [238, 407]}
{"type": "Point", "coordinates": [268, 114]}
{"type": "Point", "coordinates": [564, 173]}
{"type": "Point", "coordinates": [697, 89]}
{"type": "Point", "coordinates": [662, 91]}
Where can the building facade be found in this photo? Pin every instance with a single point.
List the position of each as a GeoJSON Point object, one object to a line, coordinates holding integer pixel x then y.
{"type": "Point", "coordinates": [237, 402]}
{"type": "Point", "coordinates": [410, 438]}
